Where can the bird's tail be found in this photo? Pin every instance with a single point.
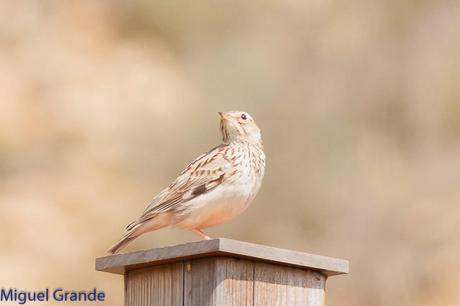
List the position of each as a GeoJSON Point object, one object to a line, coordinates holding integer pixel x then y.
{"type": "Point", "coordinates": [133, 230]}
{"type": "Point", "coordinates": [120, 244]}
{"type": "Point", "coordinates": [137, 228]}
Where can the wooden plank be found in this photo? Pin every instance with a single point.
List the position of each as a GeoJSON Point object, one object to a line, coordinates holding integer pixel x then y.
{"type": "Point", "coordinates": [124, 262]}
{"type": "Point", "coordinates": [235, 282]}
{"type": "Point", "coordinates": [120, 263]}
{"type": "Point", "coordinates": [219, 281]}
{"type": "Point", "coordinates": [199, 282]}
{"type": "Point", "coordinates": [287, 286]}
{"type": "Point", "coordinates": [328, 265]}
{"type": "Point", "coordinates": [158, 285]}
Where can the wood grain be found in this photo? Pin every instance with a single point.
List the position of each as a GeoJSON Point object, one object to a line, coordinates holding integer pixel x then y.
{"type": "Point", "coordinates": [287, 286]}
{"type": "Point", "coordinates": [219, 281]}
{"type": "Point", "coordinates": [220, 247]}
{"type": "Point", "coordinates": [159, 285]}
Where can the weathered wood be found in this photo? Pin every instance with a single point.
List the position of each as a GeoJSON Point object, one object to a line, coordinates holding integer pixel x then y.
{"type": "Point", "coordinates": [287, 286]}
{"type": "Point", "coordinates": [124, 262]}
{"type": "Point", "coordinates": [219, 281]}
{"type": "Point", "coordinates": [223, 272]}
{"type": "Point", "coordinates": [158, 285]}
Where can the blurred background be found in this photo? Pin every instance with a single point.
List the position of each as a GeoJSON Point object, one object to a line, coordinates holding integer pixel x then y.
{"type": "Point", "coordinates": [103, 103]}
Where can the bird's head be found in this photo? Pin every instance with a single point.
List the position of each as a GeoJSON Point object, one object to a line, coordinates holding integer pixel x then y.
{"type": "Point", "coordinates": [239, 126]}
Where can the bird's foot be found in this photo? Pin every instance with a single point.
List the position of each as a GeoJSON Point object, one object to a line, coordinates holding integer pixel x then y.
{"type": "Point", "coordinates": [201, 234]}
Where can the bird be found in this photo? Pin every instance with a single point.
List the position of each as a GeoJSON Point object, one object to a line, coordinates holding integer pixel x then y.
{"type": "Point", "coordinates": [214, 188]}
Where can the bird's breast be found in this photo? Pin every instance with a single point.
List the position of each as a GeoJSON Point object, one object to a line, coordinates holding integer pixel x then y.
{"type": "Point", "coordinates": [210, 211]}
{"type": "Point", "coordinates": [232, 196]}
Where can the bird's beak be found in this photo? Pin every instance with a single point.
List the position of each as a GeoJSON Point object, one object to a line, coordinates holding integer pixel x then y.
{"type": "Point", "coordinates": [224, 115]}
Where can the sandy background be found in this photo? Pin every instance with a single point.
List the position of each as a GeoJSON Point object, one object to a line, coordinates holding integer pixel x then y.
{"type": "Point", "coordinates": [103, 103]}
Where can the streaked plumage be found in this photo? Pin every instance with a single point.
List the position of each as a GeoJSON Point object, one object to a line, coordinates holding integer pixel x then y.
{"type": "Point", "coordinates": [214, 188]}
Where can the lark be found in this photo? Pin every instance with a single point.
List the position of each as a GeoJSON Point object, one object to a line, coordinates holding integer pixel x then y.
{"type": "Point", "coordinates": [216, 187]}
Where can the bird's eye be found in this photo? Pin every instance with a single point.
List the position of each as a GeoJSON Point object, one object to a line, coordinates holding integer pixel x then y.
{"type": "Point", "coordinates": [244, 117]}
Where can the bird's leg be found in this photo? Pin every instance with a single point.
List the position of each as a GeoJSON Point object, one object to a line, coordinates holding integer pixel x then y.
{"type": "Point", "coordinates": [201, 234]}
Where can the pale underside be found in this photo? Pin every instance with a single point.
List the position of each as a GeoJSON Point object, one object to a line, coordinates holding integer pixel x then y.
{"type": "Point", "coordinates": [210, 209]}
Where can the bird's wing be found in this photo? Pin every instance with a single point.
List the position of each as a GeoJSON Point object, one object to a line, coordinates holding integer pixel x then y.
{"type": "Point", "coordinates": [202, 175]}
